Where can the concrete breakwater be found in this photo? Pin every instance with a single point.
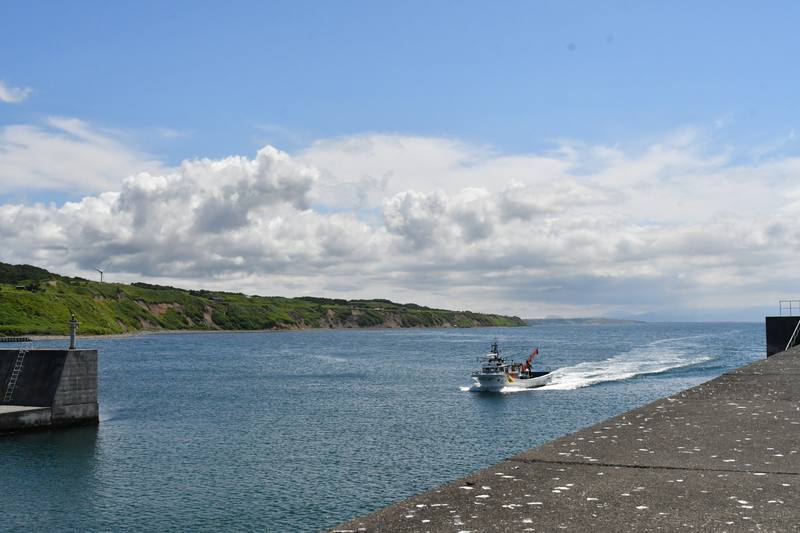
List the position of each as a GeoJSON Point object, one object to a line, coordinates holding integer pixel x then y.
{"type": "Point", "coordinates": [722, 456]}
{"type": "Point", "coordinates": [45, 388]}
{"type": "Point", "coordinates": [781, 333]}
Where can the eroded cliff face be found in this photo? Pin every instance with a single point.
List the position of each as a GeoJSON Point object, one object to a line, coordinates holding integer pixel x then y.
{"type": "Point", "coordinates": [347, 318]}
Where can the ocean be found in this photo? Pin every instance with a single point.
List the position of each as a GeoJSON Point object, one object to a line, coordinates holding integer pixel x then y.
{"type": "Point", "coordinates": [299, 431]}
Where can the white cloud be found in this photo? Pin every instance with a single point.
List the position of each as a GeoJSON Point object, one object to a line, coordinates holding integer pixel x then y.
{"type": "Point", "coordinates": [583, 229]}
{"type": "Point", "coordinates": [66, 154]}
{"type": "Point", "coordinates": [204, 218]}
{"type": "Point", "coordinates": [364, 170]}
{"type": "Point", "coordinates": [13, 95]}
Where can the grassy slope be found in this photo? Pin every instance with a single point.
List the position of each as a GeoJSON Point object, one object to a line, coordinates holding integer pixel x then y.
{"type": "Point", "coordinates": [34, 301]}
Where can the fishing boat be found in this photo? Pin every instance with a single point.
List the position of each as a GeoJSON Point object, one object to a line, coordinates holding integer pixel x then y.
{"type": "Point", "coordinates": [495, 374]}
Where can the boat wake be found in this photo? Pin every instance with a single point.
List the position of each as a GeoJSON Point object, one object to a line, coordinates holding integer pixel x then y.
{"type": "Point", "coordinates": [653, 358]}
{"type": "Point", "coordinates": [504, 390]}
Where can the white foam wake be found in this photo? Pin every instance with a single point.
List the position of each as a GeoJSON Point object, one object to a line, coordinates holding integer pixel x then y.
{"type": "Point", "coordinates": [656, 357]}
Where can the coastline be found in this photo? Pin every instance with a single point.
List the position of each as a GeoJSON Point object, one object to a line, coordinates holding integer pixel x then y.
{"type": "Point", "coordinates": [202, 331]}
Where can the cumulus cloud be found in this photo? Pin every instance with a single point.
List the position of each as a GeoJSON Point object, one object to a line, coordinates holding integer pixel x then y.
{"type": "Point", "coordinates": [13, 95]}
{"type": "Point", "coordinates": [203, 218]}
{"type": "Point", "coordinates": [581, 229]}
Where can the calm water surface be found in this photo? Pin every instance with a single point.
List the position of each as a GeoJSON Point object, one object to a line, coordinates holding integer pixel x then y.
{"type": "Point", "coordinates": [298, 431]}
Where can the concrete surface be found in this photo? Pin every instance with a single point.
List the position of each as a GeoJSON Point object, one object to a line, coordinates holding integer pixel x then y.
{"type": "Point", "coordinates": [722, 456]}
{"type": "Point", "coordinates": [5, 409]}
{"type": "Point", "coordinates": [75, 398]}
{"type": "Point", "coordinates": [62, 384]}
{"type": "Point", "coordinates": [23, 417]}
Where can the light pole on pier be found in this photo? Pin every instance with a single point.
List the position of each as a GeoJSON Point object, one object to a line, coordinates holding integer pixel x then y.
{"type": "Point", "coordinates": [73, 327]}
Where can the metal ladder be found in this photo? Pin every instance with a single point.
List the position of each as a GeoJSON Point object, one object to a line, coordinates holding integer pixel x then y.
{"type": "Point", "coordinates": [793, 338]}
{"type": "Point", "coordinates": [15, 372]}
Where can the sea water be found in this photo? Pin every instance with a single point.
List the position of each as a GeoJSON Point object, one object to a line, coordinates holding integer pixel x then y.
{"type": "Point", "coordinates": [298, 431]}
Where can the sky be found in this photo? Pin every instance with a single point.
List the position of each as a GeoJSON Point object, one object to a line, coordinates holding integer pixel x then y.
{"type": "Point", "coordinates": [621, 159]}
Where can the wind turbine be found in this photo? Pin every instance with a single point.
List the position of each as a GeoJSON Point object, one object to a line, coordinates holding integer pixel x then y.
{"type": "Point", "coordinates": [101, 273]}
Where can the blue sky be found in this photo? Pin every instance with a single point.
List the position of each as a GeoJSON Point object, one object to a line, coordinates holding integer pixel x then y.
{"type": "Point", "coordinates": [517, 75]}
{"type": "Point", "coordinates": [567, 158]}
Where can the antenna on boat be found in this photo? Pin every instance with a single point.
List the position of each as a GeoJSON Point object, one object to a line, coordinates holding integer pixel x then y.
{"type": "Point", "coordinates": [495, 349]}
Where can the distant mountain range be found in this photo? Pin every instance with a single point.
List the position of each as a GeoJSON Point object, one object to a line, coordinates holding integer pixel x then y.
{"type": "Point", "coordinates": [34, 301]}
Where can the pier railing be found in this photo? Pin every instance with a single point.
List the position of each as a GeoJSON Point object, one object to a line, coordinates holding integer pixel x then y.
{"type": "Point", "coordinates": [783, 331]}
{"type": "Point", "coordinates": [788, 307]}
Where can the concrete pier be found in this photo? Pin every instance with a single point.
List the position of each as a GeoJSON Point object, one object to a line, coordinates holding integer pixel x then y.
{"type": "Point", "coordinates": [722, 456]}
{"type": "Point", "coordinates": [779, 333]}
{"type": "Point", "coordinates": [46, 388]}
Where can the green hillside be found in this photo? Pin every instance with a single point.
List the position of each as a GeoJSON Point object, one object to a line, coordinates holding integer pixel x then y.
{"type": "Point", "coordinates": [34, 301]}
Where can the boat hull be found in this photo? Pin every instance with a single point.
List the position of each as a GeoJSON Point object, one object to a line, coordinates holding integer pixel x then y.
{"type": "Point", "coordinates": [499, 382]}
{"type": "Point", "coordinates": [489, 383]}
